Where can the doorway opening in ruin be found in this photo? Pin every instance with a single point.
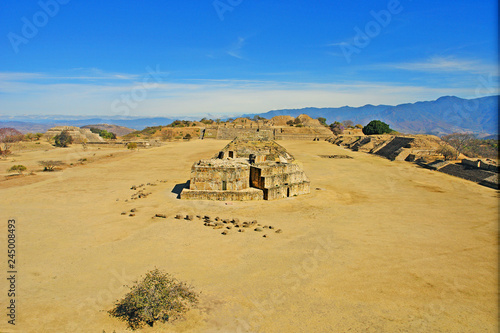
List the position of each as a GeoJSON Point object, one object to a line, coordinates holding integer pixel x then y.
{"type": "Point", "coordinates": [288, 192]}
{"type": "Point", "coordinates": [224, 185]}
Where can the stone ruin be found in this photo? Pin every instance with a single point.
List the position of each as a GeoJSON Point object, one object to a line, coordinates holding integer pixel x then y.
{"type": "Point", "coordinates": [247, 169]}
{"type": "Point", "coordinates": [79, 135]}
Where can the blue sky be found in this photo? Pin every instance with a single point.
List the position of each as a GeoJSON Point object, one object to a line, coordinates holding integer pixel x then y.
{"type": "Point", "coordinates": [228, 57]}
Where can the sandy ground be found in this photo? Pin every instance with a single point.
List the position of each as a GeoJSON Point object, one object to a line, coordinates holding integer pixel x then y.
{"type": "Point", "coordinates": [378, 246]}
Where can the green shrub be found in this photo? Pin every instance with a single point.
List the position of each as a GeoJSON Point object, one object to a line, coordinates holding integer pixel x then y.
{"type": "Point", "coordinates": [63, 139]}
{"type": "Point", "coordinates": [103, 133]}
{"type": "Point", "coordinates": [158, 297]}
{"type": "Point", "coordinates": [376, 127]}
{"type": "Point", "coordinates": [132, 145]}
{"type": "Point", "coordinates": [17, 168]}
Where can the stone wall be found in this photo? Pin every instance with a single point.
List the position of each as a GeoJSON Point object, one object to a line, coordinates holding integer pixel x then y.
{"type": "Point", "coordinates": [268, 133]}
{"type": "Point", "coordinates": [279, 180]}
{"type": "Point", "coordinates": [242, 133]}
{"type": "Point", "coordinates": [243, 195]}
{"type": "Point", "coordinates": [219, 177]}
{"type": "Point", "coordinates": [284, 191]}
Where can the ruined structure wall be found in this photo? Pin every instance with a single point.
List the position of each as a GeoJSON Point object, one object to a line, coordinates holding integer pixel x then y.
{"type": "Point", "coordinates": [267, 133]}
{"type": "Point", "coordinates": [231, 133]}
{"type": "Point", "coordinates": [284, 178]}
{"type": "Point", "coordinates": [246, 195]}
{"type": "Point", "coordinates": [279, 192]}
{"type": "Point", "coordinates": [213, 178]}
{"type": "Point", "coordinates": [276, 169]}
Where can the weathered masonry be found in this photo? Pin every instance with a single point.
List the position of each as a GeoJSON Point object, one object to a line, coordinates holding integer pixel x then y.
{"type": "Point", "coordinates": [247, 170]}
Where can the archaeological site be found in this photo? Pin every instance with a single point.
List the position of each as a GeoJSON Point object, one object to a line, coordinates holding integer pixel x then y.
{"type": "Point", "coordinates": [247, 169]}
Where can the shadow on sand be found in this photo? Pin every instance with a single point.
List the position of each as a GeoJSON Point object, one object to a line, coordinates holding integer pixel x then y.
{"type": "Point", "coordinates": [179, 187]}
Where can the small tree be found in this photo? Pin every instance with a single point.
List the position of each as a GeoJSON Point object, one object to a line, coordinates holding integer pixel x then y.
{"type": "Point", "coordinates": [63, 139]}
{"type": "Point", "coordinates": [348, 123]}
{"type": "Point", "coordinates": [187, 136]}
{"type": "Point", "coordinates": [459, 141]}
{"type": "Point", "coordinates": [9, 136]}
{"type": "Point", "coordinates": [376, 127]}
{"type": "Point", "coordinates": [322, 121]}
{"type": "Point", "coordinates": [132, 145]}
{"type": "Point", "coordinates": [337, 128]}
{"type": "Point", "coordinates": [447, 151]}
{"type": "Point", "coordinates": [158, 297]}
{"type": "Point", "coordinates": [17, 168]}
{"type": "Point", "coordinates": [50, 165]}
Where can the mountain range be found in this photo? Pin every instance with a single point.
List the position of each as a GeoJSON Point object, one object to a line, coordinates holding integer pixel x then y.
{"type": "Point", "coordinates": [445, 115]}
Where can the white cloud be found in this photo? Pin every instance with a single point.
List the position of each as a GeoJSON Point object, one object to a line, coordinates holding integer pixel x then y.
{"type": "Point", "coordinates": [235, 49]}
{"type": "Point", "coordinates": [447, 64]}
{"type": "Point", "coordinates": [41, 94]}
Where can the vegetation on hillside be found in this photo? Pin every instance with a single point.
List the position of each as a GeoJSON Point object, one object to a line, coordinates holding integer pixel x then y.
{"type": "Point", "coordinates": [469, 145]}
{"type": "Point", "coordinates": [103, 133]}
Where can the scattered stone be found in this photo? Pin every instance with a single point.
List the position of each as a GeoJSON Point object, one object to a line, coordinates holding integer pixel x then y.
{"type": "Point", "coordinates": [229, 227]}
{"type": "Point", "coordinates": [218, 227]}
{"type": "Point", "coordinates": [271, 227]}
{"type": "Point", "coordinates": [178, 216]}
{"type": "Point", "coordinates": [241, 230]}
{"type": "Point", "coordinates": [133, 210]}
{"type": "Point", "coordinates": [124, 213]}
{"type": "Point", "coordinates": [133, 188]}
{"type": "Point", "coordinates": [235, 220]}
{"type": "Point", "coordinates": [217, 218]}
{"type": "Point", "coordinates": [206, 217]}
{"type": "Point", "coordinates": [163, 216]}
{"type": "Point", "coordinates": [279, 231]}
{"type": "Point", "coordinates": [117, 199]}
{"type": "Point", "coordinates": [126, 200]}
{"type": "Point", "coordinates": [265, 236]}
{"type": "Point", "coordinates": [131, 214]}
{"type": "Point", "coordinates": [257, 229]}
{"type": "Point", "coordinates": [224, 233]}
{"type": "Point", "coordinates": [265, 227]}
{"type": "Point", "coordinates": [189, 217]}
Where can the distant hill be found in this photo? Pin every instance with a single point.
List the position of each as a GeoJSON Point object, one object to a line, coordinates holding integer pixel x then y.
{"type": "Point", "coordinates": [27, 124]}
{"type": "Point", "coordinates": [443, 116]}
{"type": "Point", "coordinates": [118, 130]}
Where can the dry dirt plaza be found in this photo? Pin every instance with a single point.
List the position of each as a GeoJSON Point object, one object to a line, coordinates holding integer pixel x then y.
{"type": "Point", "coordinates": [377, 246]}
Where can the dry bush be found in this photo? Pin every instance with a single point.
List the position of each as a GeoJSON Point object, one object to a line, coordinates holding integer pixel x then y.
{"type": "Point", "coordinates": [158, 297]}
